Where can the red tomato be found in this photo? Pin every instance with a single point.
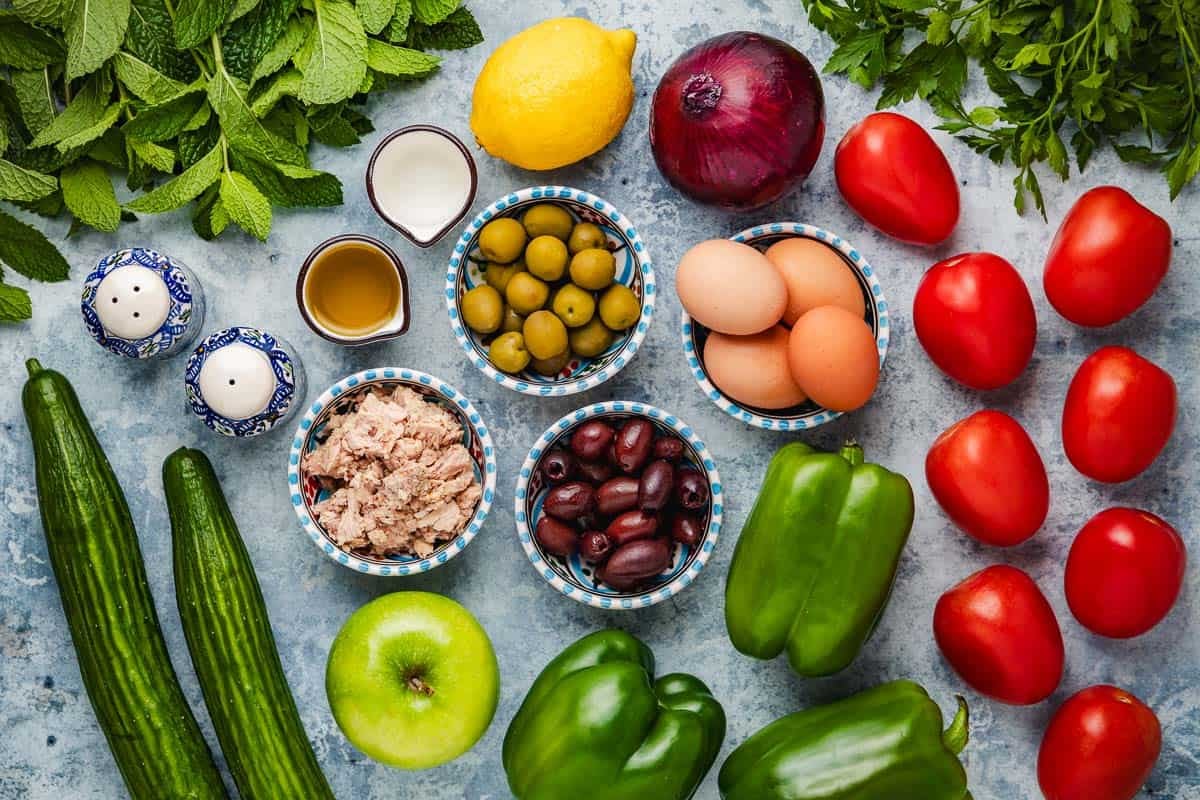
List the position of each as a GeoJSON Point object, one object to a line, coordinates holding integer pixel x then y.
{"type": "Point", "coordinates": [986, 474]}
{"type": "Point", "coordinates": [1124, 572]}
{"type": "Point", "coordinates": [1108, 257]}
{"type": "Point", "coordinates": [1100, 745]}
{"type": "Point", "coordinates": [1001, 636]}
{"type": "Point", "coordinates": [975, 319]}
{"type": "Point", "coordinates": [1118, 416]}
{"type": "Point", "coordinates": [892, 173]}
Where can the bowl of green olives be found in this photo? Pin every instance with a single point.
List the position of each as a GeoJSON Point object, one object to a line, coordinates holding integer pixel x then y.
{"type": "Point", "coordinates": [550, 291]}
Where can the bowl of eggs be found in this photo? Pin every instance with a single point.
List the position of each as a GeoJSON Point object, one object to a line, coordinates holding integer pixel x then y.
{"type": "Point", "coordinates": [785, 326]}
{"type": "Point", "coordinates": [550, 291]}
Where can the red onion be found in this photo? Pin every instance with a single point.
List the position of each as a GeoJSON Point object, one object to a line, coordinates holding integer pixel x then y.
{"type": "Point", "coordinates": [738, 121]}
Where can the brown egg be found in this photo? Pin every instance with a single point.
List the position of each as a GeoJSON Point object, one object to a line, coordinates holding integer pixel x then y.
{"type": "Point", "coordinates": [753, 369]}
{"type": "Point", "coordinates": [730, 287]}
{"type": "Point", "coordinates": [816, 275]}
{"type": "Point", "coordinates": [833, 358]}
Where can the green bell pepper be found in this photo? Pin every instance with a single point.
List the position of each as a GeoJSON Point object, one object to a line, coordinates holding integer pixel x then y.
{"type": "Point", "coordinates": [886, 743]}
{"type": "Point", "coordinates": [597, 726]}
{"type": "Point", "coordinates": [814, 565]}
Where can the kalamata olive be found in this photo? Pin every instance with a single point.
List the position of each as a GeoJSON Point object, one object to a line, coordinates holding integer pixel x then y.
{"type": "Point", "coordinates": [558, 466]}
{"type": "Point", "coordinates": [595, 546]}
{"type": "Point", "coordinates": [591, 440]}
{"type": "Point", "coordinates": [570, 501]}
{"type": "Point", "coordinates": [631, 525]}
{"type": "Point", "coordinates": [668, 448]}
{"type": "Point", "coordinates": [691, 489]}
{"type": "Point", "coordinates": [654, 489]}
{"type": "Point", "coordinates": [687, 530]}
{"type": "Point", "coordinates": [635, 563]}
{"type": "Point", "coordinates": [595, 472]}
{"type": "Point", "coordinates": [616, 495]}
{"type": "Point", "coordinates": [632, 446]}
{"type": "Point", "coordinates": [556, 537]}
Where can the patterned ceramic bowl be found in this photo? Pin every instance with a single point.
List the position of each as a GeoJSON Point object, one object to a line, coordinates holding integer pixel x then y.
{"type": "Point", "coordinates": [809, 414]}
{"type": "Point", "coordinates": [633, 269]}
{"type": "Point", "coordinates": [306, 490]}
{"type": "Point", "coordinates": [575, 577]}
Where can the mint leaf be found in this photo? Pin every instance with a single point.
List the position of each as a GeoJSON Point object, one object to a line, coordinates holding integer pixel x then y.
{"type": "Point", "coordinates": [397, 30]}
{"type": "Point", "coordinates": [457, 32]}
{"type": "Point", "coordinates": [228, 98]}
{"type": "Point", "coordinates": [241, 8]}
{"type": "Point", "coordinates": [333, 57]}
{"type": "Point", "coordinates": [89, 195]}
{"type": "Point", "coordinates": [400, 61]}
{"type": "Point", "coordinates": [94, 30]}
{"type": "Point", "coordinates": [85, 109]}
{"type": "Point", "coordinates": [284, 48]}
{"type": "Point", "coordinates": [144, 80]}
{"type": "Point", "coordinates": [291, 186]}
{"type": "Point", "coordinates": [285, 84]}
{"type": "Point", "coordinates": [18, 183]}
{"type": "Point", "coordinates": [187, 186]}
{"type": "Point", "coordinates": [41, 12]}
{"type": "Point", "coordinates": [246, 205]}
{"type": "Point", "coordinates": [30, 253]}
{"type": "Point", "coordinates": [165, 121]}
{"type": "Point", "coordinates": [249, 39]}
{"type": "Point", "coordinates": [25, 47]}
{"type": "Point", "coordinates": [92, 132]}
{"type": "Point", "coordinates": [193, 145]}
{"type": "Point", "coordinates": [197, 20]}
{"type": "Point", "coordinates": [35, 96]}
{"type": "Point", "coordinates": [375, 14]}
{"type": "Point", "coordinates": [157, 156]}
{"type": "Point", "coordinates": [110, 149]}
{"type": "Point", "coordinates": [15, 305]}
{"type": "Point", "coordinates": [331, 127]}
{"type": "Point", "coordinates": [151, 37]}
{"type": "Point", "coordinates": [431, 12]}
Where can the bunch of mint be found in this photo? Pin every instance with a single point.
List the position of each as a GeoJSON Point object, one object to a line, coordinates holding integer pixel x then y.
{"type": "Point", "coordinates": [211, 101]}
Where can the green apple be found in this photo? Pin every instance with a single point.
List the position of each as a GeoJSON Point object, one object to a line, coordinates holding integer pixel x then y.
{"type": "Point", "coordinates": [412, 680]}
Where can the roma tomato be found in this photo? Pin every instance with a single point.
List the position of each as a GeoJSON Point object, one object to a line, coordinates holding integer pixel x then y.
{"type": "Point", "coordinates": [1108, 257]}
{"type": "Point", "coordinates": [986, 474]}
{"type": "Point", "coordinates": [1001, 636]}
{"type": "Point", "coordinates": [892, 173]}
{"type": "Point", "coordinates": [975, 319]}
{"type": "Point", "coordinates": [1100, 745]}
{"type": "Point", "coordinates": [1124, 572]}
{"type": "Point", "coordinates": [1118, 416]}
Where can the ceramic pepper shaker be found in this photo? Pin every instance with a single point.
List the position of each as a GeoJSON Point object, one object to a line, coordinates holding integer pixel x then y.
{"type": "Point", "coordinates": [243, 381]}
{"type": "Point", "coordinates": [142, 304]}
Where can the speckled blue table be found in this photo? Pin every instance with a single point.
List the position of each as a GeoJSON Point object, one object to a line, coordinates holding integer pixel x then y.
{"type": "Point", "coordinates": [51, 746]}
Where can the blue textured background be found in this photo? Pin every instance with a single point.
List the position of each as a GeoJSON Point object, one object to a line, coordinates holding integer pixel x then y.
{"type": "Point", "coordinates": [51, 746]}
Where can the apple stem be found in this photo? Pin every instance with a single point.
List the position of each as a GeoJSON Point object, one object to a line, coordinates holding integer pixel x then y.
{"type": "Point", "coordinates": [417, 685]}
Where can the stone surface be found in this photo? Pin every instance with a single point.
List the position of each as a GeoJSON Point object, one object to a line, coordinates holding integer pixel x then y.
{"type": "Point", "coordinates": [52, 746]}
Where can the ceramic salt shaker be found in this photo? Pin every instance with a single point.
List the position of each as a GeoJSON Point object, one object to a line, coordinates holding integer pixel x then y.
{"type": "Point", "coordinates": [243, 381]}
{"type": "Point", "coordinates": [142, 304]}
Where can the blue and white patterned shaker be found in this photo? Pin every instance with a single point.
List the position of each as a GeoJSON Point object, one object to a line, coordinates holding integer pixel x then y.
{"type": "Point", "coordinates": [142, 304]}
{"type": "Point", "coordinates": [243, 381]}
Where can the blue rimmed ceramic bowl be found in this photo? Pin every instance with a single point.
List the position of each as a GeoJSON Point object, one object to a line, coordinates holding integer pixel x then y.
{"type": "Point", "coordinates": [633, 269]}
{"type": "Point", "coordinates": [807, 415]}
{"type": "Point", "coordinates": [305, 490]}
{"type": "Point", "coordinates": [575, 577]}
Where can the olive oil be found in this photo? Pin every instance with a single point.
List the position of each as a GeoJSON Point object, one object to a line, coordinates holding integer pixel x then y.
{"type": "Point", "coordinates": [352, 289]}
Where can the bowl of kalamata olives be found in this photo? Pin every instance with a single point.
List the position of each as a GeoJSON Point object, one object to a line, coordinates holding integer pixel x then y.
{"type": "Point", "coordinates": [618, 505]}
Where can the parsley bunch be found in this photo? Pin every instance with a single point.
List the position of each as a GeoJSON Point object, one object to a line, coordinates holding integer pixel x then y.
{"type": "Point", "coordinates": [1085, 72]}
{"type": "Point", "coordinates": [211, 101]}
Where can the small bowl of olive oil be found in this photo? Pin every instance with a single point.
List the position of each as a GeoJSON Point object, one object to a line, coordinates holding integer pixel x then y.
{"type": "Point", "coordinates": [353, 290]}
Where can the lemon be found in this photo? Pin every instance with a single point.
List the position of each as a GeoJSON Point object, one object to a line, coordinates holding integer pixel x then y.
{"type": "Point", "coordinates": [554, 93]}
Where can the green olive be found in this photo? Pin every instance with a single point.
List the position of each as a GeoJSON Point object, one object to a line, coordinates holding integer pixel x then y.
{"type": "Point", "coordinates": [574, 306]}
{"type": "Point", "coordinates": [508, 352]}
{"type": "Point", "coordinates": [502, 240]}
{"type": "Point", "coordinates": [591, 340]}
{"type": "Point", "coordinates": [619, 307]}
{"type": "Point", "coordinates": [526, 293]}
{"type": "Point", "coordinates": [545, 335]}
{"type": "Point", "coordinates": [586, 236]}
{"type": "Point", "coordinates": [551, 366]}
{"type": "Point", "coordinates": [548, 219]}
{"type": "Point", "coordinates": [512, 321]}
{"type": "Point", "coordinates": [498, 275]}
{"type": "Point", "coordinates": [482, 309]}
{"type": "Point", "coordinates": [593, 269]}
{"type": "Point", "coordinates": [547, 258]}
